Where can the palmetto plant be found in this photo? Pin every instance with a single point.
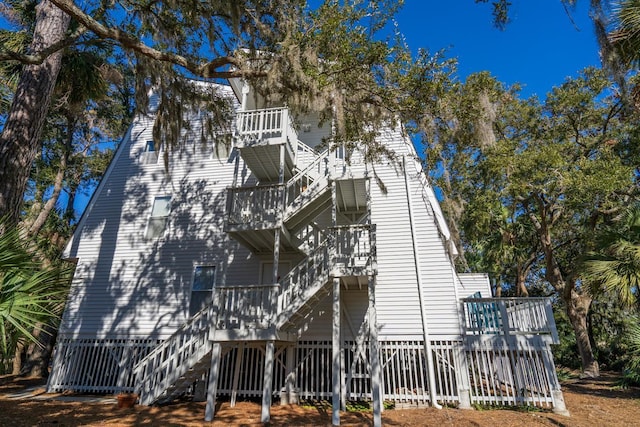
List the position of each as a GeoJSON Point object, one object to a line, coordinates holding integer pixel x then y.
{"type": "Point", "coordinates": [615, 267]}
{"type": "Point", "coordinates": [32, 292]}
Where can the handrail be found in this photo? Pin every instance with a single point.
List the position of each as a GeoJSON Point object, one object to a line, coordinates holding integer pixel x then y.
{"type": "Point", "coordinates": [174, 356]}
{"type": "Point", "coordinates": [509, 316]}
{"type": "Point", "coordinates": [242, 204]}
{"type": "Point", "coordinates": [264, 122]}
{"type": "Point", "coordinates": [303, 276]}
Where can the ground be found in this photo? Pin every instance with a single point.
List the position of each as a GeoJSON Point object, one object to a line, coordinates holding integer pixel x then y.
{"type": "Point", "coordinates": [591, 403]}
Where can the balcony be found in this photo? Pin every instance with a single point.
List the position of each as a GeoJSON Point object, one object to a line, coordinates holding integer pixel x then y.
{"type": "Point", "coordinates": [509, 317]}
{"type": "Point", "coordinates": [260, 134]}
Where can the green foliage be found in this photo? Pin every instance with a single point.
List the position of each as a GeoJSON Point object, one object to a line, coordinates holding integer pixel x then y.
{"type": "Point", "coordinates": [32, 292]}
{"type": "Point", "coordinates": [614, 267]}
{"type": "Point", "coordinates": [631, 373]}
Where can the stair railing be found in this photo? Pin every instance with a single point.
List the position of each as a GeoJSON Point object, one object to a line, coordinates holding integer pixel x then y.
{"type": "Point", "coordinates": [174, 357]}
{"type": "Point", "coordinates": [305, 275]}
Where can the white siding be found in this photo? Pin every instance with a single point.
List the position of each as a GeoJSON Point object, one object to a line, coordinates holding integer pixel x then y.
{"type": "Point", "coordinates": [128, 286]}
{"type": "Point", "coordinates": [470, 283]}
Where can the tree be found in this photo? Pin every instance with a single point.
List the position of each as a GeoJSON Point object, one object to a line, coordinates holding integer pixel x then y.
{"type": "Point", "coordinates": [330, 59]}
{"type": "Point", "coordinates": [22, 128]}
{"type": "Point", "coordinates": [32, 291]}
{"type": "Point", "coordinates": [542, 181]}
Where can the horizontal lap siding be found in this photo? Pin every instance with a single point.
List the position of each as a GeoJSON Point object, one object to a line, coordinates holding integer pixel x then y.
{"type": "Point", "coordinates": [470, 283]}
{"type": "Point", "coordinates": [397, 299]}
{"type": "Point", "coordinates": [126, 285]}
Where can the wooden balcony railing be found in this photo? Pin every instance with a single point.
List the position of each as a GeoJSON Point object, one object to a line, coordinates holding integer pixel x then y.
{"type": "Point", "coordinates": [246, 307]}
{"type": "Point", "coordinates": [354, 245]}
{"type": "Point", "coordinates": [509, 316]}
{"type": "Point", "coordinates": [266, 124]}
{"type": "Point", "coordinates": [254, 205]}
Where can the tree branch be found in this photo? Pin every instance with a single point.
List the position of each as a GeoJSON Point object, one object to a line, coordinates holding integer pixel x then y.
{"type": "Point", "coordinates": [130, 42]}
{"type": "Point", "coordinates": [38, 58]}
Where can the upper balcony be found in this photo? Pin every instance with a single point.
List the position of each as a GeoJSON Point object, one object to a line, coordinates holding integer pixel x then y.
{"type": "Point", "coordinates": [260, 136]}
{"type": "Point", "coordinates": [510, 317]}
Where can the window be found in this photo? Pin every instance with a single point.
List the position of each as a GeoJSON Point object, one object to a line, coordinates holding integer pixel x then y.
{"type": "Point", "coordinates": [159, 215]}
{"type": "Point", "coordinates": [204, 278]}
{"type": "Point", "coordinates": [150, 155]}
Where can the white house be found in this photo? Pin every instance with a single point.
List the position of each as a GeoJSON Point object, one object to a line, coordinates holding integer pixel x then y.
{"type": "Point", "coordinates": [278, 269]}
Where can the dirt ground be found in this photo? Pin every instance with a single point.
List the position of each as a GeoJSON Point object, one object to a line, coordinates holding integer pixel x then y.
{"type": "Point", "coordinates": [591, 403]}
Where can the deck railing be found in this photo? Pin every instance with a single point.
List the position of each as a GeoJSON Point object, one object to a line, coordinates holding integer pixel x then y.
{"type": "Point", "coordinates": [265, 124]}
{"type": "Point", "coordinates": [509, 316]}
{"type": "Point", "coordinates": [354, 245]}
{"type": "Point", "coordinates": [246, 307]}
{"type": "Point", "coordinates": [254, 205]}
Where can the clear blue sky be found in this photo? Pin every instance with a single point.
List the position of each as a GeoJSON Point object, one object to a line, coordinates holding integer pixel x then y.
{"type": "Point", "coordinates": [538, 49]}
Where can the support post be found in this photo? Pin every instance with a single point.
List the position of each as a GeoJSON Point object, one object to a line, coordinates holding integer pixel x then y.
{"type": "Point", "coordinates": [376, 371]}
{"type": "Point", "coordinates": [267, 382]}
{"type": "Point", "coordinates": [289, 395]}
{"type": "Point", "coordinates": [212, 389]}
{"type": "Point", "coordinates": [236, 373]}
{"type": "Point", "coordinates": [276, 239]}
{"type": "Point", "coordinates": [559, 407]}
{"type": "Point", "coordinates": [462, 377]}
{"type": "Point", "coordinates": [336, 367]}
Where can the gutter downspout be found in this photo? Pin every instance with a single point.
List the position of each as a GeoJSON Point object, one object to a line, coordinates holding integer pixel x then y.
{"type": "Point", "coordinates": [425, 329]}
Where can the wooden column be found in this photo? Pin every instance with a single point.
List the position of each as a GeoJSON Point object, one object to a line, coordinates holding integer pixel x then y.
{"type": "Point", "coordinates": [376, 371]}
{"type": "Point", "coordinates": [290, 392]}
{"type": "Point", "coordinates": [212, 389]}
{"type": "Point", "coordinates": [335, 347]}
{"type": "Point", "coordinates": [276, 240]}
{"type": "Point", "coordinates": [236, 373]}
{"type": "Point", "coordinates": [267, 382]}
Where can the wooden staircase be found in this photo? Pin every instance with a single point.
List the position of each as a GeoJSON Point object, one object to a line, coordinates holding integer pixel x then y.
{"type": "Point", "coordinates": [276, 312]}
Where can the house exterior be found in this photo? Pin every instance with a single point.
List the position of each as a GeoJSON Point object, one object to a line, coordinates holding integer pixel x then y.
{"type": "Point", "coordinates": [278, 269]}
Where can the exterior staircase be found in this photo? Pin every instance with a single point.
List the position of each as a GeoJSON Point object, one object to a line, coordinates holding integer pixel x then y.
{"type": "Point", "coordinates": [265, 312]}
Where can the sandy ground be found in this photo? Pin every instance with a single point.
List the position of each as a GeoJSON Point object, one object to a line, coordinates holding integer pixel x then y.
{"type": "Point", "coordinates": [23, 402]}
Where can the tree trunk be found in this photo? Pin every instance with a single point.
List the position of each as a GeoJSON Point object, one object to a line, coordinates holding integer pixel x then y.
{"type": "Point", "coordinates": [41, 219]}
{"type": "Point", "coordinates": [577, 307]}
{"type": "Point", "coordinates": [20, 137]}
{"type": "Point", "coordinates": [521, 281]}
{"type": "Point", "coordinates": [37, 357]}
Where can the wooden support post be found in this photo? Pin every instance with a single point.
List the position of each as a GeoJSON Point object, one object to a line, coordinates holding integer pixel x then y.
{"type": "Point", "coordinates": [276, 240]}
{"type": "Point", "coordinates": [290, 394]}
{"type": "Point", "coordinates": [212, 389]}
{"type": "Point", "coordinates": [236, 373]}
{"type": "Point", "coordinates": [337, 366]}
{"type": "Point", "coordinates": [376, 371]}
{"type": "Point", "coordinates": [267, 382]}
{"type": "Point", "coordinates": [559, 407]}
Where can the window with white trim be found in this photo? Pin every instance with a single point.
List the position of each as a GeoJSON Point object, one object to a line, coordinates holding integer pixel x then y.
{"type": "Point", "coordinates": [150, 154]}
{"type": "Point", "coordinates": [204, 278]}
{"type": "Point", "coordinates": [159, 217]}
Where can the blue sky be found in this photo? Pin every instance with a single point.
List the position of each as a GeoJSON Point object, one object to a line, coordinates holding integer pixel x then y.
{"type": "Point", "coordinates": [538, 49]}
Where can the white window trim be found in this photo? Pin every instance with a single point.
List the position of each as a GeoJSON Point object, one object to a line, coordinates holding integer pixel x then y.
{"type": "Point", "coordinates": [151, 217]}
{"type": "Point", "coordinates": [193, 281]}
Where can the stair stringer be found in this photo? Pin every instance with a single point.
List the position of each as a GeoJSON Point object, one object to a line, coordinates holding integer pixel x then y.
{"type": "Point", "coordinates": [173, 360]}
